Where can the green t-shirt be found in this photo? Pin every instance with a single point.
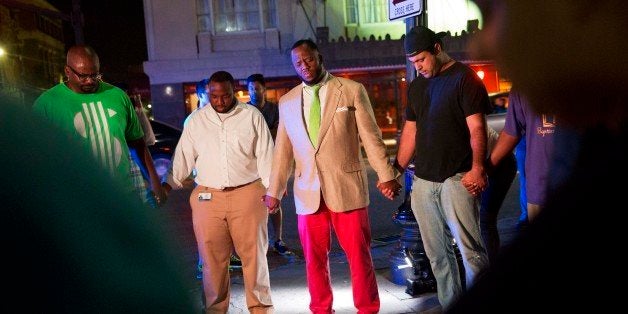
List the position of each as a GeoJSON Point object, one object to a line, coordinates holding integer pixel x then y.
{"type": "Point", "coordinates": [104, 121]}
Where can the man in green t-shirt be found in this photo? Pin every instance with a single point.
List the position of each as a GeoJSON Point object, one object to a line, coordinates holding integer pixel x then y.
{"type": "Point", "coordinates": [99, 115]}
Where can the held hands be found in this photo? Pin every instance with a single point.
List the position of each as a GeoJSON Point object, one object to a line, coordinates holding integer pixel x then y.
{"type": "Point", "coordinates": [160, 193]}
{"type": "Point", "coordinates": [475, 181]}
{"type": "Point", "coordinates": [271, 203]}
{"type": "Point", "coordinates": [390, 189]}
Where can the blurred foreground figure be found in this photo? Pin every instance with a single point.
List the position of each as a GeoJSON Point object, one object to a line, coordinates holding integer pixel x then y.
{"type": "Point", "coordinates": [78, 241]}
{"type": "Point", "coordinates": [569, 58]}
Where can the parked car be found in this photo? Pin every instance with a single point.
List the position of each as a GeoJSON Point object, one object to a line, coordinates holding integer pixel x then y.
{"type": "Point", "coordinates": [166, 139]}
{"type": "Point", "coordinates": [497, 118]}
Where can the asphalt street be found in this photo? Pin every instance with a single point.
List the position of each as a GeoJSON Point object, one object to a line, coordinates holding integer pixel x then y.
{"type": "Point", "coordinates": [288, 282]}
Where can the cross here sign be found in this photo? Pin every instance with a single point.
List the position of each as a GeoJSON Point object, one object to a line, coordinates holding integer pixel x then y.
{"type": "Point", "coordinates": [398, 9]}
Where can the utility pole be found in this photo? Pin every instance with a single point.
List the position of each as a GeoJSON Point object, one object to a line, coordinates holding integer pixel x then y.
{"type": "Point", "coordinates": [77, 22]}
{"type": "Point", "coordinates": [75, 18]}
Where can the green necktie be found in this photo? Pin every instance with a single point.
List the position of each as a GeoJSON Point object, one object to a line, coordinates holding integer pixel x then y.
{"type": "Point", "coordinates": [315, 115]}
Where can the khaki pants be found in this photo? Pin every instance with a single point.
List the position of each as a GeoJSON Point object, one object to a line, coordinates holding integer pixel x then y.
{"type": "Point", "coordinates": [235, 218]}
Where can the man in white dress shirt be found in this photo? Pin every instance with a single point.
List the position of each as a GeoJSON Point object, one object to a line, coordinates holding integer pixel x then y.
{"type": "Point", "coordinates": [230, 146]}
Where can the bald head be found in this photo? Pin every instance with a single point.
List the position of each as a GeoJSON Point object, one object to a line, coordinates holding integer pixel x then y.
{"type": "Point", "coordinates": [82, 69]}
{"type": "Point", "coordinates": [79, 54]}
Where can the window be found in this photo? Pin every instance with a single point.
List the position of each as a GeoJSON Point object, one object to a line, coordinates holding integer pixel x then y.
{"type": "Point", "coordinates": [376, 12]}
{"type": "Point", "coordinates": [352, 11]}
{"type": "Point", "coordinates": [269, 11]}
{"type": "Point", "coordinates": [203, 16]}
{"type": "Point", "coordinates": [366, 11]}
{"type": "Point", "coordinates": [236, 15]}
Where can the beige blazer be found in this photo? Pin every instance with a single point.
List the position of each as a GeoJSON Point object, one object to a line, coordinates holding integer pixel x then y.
{"type": "Point", "coordinates": [335, 168]}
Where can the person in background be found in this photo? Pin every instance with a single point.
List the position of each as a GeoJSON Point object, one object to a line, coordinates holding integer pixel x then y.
{"type": "Point", "coordinates": [538, 129]}
{"type": "Point", "coordinates": [568, 62]}
{"type": "Point", "coordinates": [149, 139]}
{"type": "Point", "coordinates": [520, 155]}
{"type": "Point", "coordinates": [321, 123]}
{"type": "Point", "coordinates": [445, 131]}
{"type": "Point", "coordinates": [230, 146]}
{"type": "Point", "coordinates": [500, 105]}
{"type": "Point", "coordinates": [139, 175]}
{"type": "Point", "coordinates": [257, 91]}
{"type": "Point", "coordinates": [101, 115]}
{"type": "Point", "coordinates": [202, 87]}
{"type": "Point", "coordinates": [499, 181]}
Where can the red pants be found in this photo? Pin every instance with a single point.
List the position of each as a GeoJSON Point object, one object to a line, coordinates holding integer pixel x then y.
{"type": "Point", "coordinates": [353, 231]}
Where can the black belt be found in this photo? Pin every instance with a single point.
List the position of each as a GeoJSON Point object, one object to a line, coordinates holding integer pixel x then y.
{"type": "Point", "coordinates": [231, 188]}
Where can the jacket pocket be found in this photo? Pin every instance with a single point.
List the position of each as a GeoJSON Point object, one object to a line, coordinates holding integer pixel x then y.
{"type": "Point", "coordinates": [352, 166]}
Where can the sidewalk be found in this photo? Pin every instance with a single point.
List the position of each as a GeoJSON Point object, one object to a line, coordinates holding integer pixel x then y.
{"type": "Point", "coordinates": [289, 288]}
{"type": "Point", "coordinates": [290, 295]}
{"type": "Point", "coordinates": [288, 279]}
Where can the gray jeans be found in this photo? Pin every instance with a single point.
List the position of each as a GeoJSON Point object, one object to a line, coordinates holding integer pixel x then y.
{"type": "Point", "coordinates": [446, 211]}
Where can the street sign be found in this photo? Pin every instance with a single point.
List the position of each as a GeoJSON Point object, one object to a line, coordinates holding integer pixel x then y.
{"type": "Point", "coordinates": [398, 9]}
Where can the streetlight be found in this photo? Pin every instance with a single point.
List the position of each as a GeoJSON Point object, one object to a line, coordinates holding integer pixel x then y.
{"type": "Point", "coordinates": [2, 52]}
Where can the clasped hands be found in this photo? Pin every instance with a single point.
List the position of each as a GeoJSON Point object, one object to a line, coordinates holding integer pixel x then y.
{"type": "Point", "coordinates": [390, 189]}
{"type": "Point", "coordinates": [271, 203]}
{"type": "Point", "coordinates": [160, 193]}
{"type": "Point", "coordinates": [475, 182]}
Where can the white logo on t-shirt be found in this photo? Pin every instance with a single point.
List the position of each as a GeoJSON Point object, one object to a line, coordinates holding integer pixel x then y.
{"type": "Point", "coordinates": [92, 124]}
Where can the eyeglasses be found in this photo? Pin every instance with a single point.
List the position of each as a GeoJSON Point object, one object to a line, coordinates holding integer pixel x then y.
{"type": "Point", "coordinates": [84, 77]}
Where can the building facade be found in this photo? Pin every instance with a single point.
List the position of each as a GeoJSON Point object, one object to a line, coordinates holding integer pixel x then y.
{"type": "Point", "coordinates": [190, 39]}
{"type": "Point", "coordinates": [33, 57]}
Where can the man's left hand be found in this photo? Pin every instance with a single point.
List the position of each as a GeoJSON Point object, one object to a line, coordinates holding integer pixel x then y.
{"type": "Point", "coordinates": [271, 203]}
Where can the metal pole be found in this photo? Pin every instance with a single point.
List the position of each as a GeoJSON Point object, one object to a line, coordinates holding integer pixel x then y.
{"type": "Point", "coordinates": [77, 22]}
{"type": "Point", "coordinates": [411, 22]}
{"type": "Point", "coordinates": [308, 20]}
{"type": "Point", "coordinates": [409, 263]}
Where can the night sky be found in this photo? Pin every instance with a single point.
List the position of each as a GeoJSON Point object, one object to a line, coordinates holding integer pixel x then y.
{"type": "Point", "coordinates": [116, 31]}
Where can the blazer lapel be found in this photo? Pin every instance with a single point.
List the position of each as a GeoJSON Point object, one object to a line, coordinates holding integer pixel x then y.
{"type": "Point", "coordinates": [332, 100]}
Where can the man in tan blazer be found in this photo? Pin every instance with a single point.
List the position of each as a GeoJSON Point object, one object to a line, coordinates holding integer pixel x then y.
{"type": "Point", "coordinates": [330, 184]}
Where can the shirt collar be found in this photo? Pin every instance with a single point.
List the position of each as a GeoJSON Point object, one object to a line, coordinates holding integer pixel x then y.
{"type": "Point", "coordinates": [321, 83]}
{"type": "Point", "coordinates": [229, 113]}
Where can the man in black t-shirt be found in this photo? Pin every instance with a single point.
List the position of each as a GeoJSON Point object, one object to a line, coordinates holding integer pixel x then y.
{"type": "Point", "coordinates": [445, 130]}
{"type": "Point", "coordinates": [257, 91]}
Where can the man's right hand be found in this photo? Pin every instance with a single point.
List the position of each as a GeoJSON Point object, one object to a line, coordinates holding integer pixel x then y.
{"type": "Point", "coordinates": [271, 203]}
{"type": "Point", "coordinates": [390, 189]}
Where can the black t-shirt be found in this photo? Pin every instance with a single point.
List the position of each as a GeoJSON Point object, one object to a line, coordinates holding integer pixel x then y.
{"type": "Point", "coordinates": [270, 111]}
{"type": "Point", "coordinates": [439, 106]}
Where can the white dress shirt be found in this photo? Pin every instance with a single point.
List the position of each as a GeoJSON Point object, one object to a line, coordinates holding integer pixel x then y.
{"type": "Point", "coordinates": [227, 151]}
{"type": "Point", "coordinates": [307, 99]}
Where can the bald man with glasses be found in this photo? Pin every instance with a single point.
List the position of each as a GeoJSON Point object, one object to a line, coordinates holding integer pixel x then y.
{"type": "Point", "coordinates": [100, 116]}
